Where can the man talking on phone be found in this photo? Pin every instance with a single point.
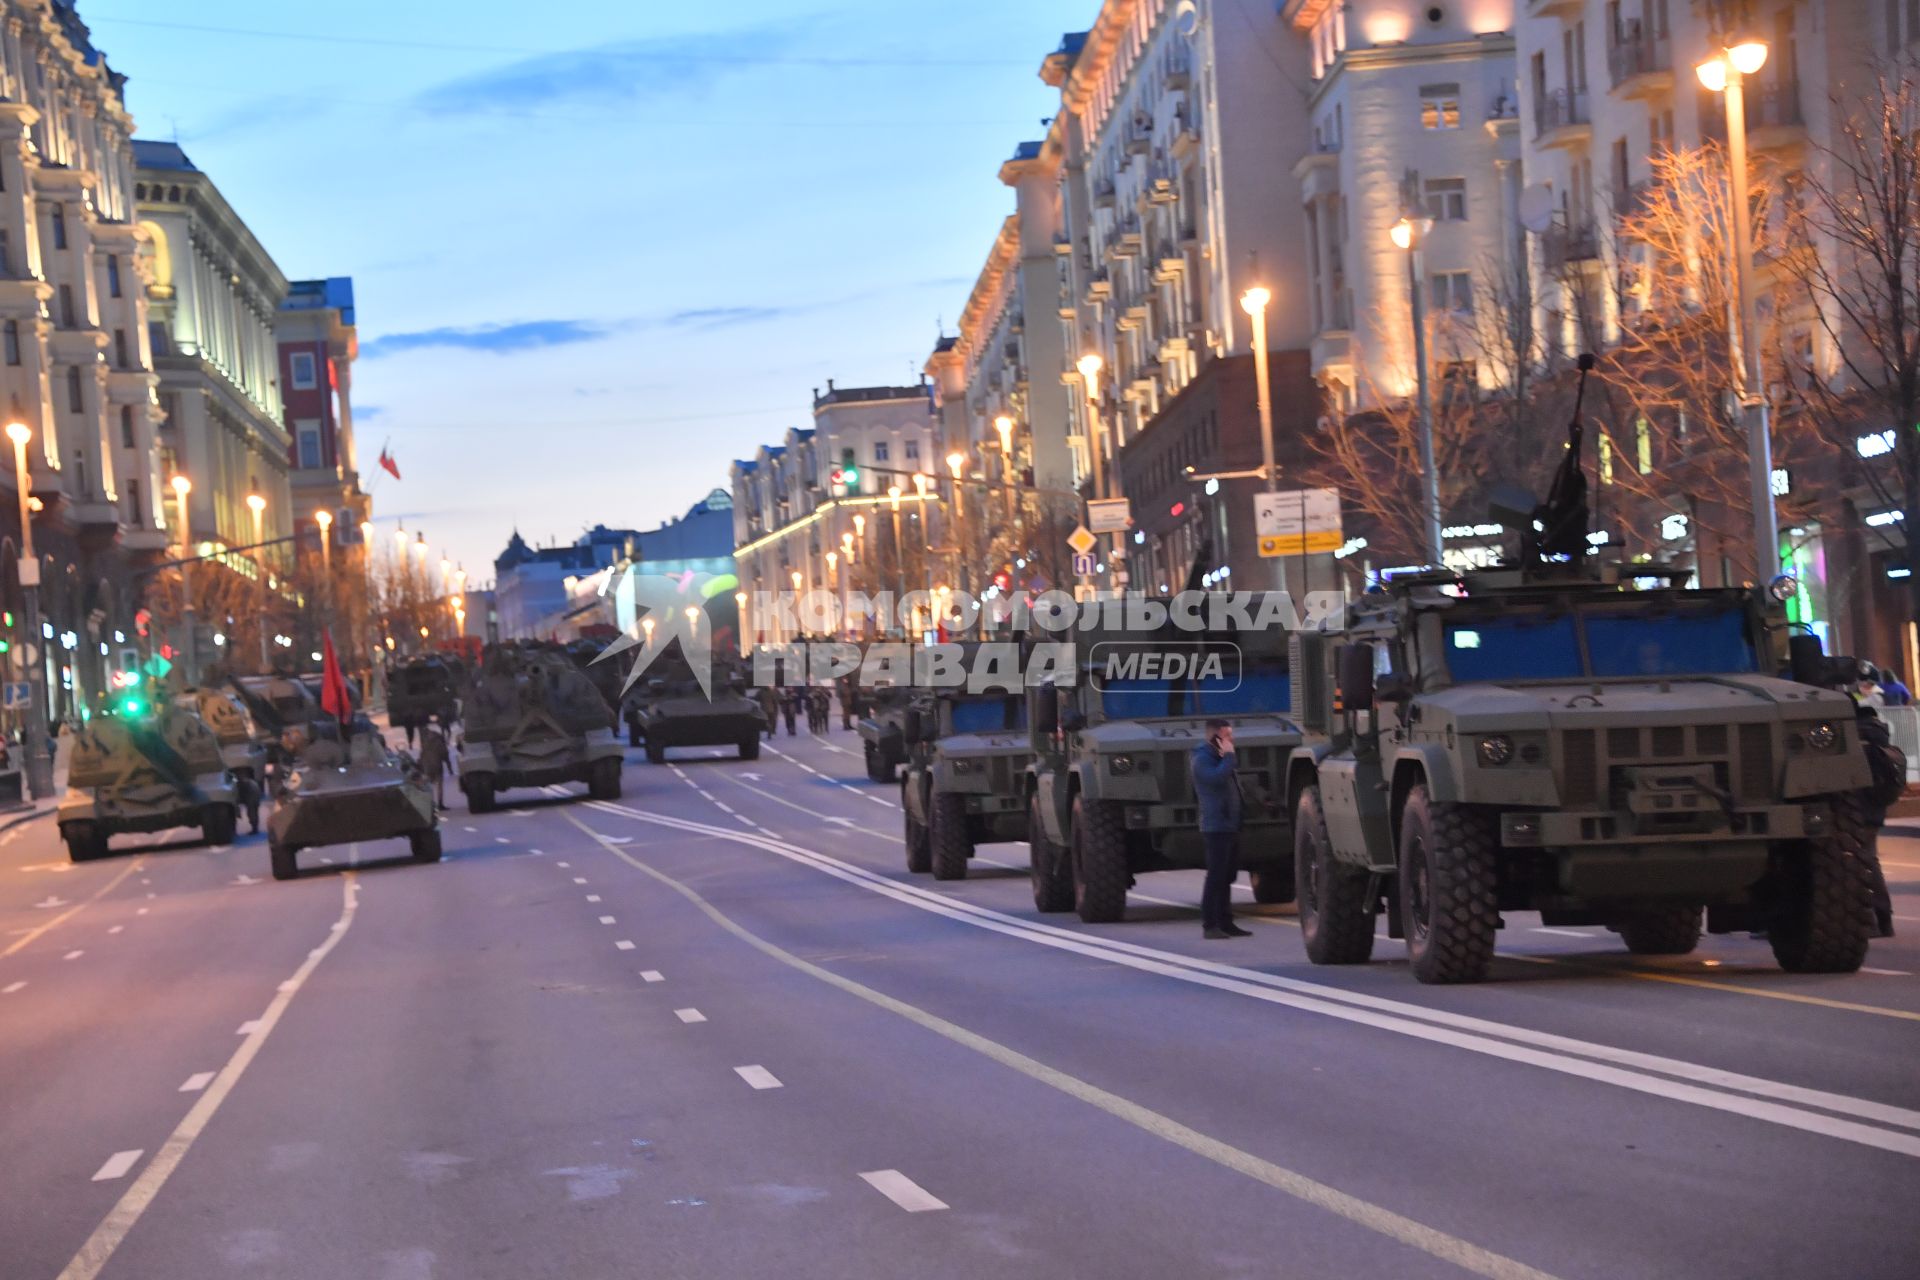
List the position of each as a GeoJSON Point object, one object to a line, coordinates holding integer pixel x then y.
{"type": "Point", "coordinates": [1216, 786]}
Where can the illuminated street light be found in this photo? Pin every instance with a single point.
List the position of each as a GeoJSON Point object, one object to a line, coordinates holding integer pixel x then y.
{"type": "Point", "coordinates": [646, 625]}
{"type": "Point", "coordinates": [1410, 234]}
{"type": "Point", "coordinates": [324, 519]}
{"type": "Point", "coordinates": [39, 759]}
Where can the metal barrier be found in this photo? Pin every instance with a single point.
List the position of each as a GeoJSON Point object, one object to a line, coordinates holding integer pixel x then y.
{"type": "Point", "coordinates": [1904, 724]}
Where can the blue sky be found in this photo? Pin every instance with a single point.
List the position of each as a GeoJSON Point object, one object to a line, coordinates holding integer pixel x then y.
{"type": "Point", "coordinates": [601, 248]}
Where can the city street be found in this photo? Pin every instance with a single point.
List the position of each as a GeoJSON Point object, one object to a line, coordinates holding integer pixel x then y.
{"type": "Point", "coordinates": [715, 1029]}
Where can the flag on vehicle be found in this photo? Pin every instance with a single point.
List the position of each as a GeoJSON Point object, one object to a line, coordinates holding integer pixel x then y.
{"type": "Point", "coordinates": [386, 461]}
{"type": "Point", "coordinates": [334, 698]}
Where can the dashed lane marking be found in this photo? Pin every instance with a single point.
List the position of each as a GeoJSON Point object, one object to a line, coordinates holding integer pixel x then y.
{"type": "Point", "coordinates": [27, 937]}
{"type": "Point", "coordinates": [623, 945]}
{"type": "Point", "coordinates": [116, 928]}
{"type": "Point", "coordinates": [652, 975]}
{"type": "Point", "coordinates": [117, 1165]}
{"type": "Point", "coordinates": [721, 805]}
{"type": "Point", "coordinates": [247, 1028]}
{"type": "Point", "coordinates": [140, 911]}
{"type": "Point", "coordinates": [1564, 933]}
{"type": "Point", "coordinates": [1887, 973]}
{"type": "Point", "coordinates": [593, 897]}
{"type": "Point", "coordinates": [12, 987]}
{"type": "Point", "coordinates": [197, 1081]}
{"type": "Point", "coordinates": [689, 1015]}
{"type": "Point", "coordinates": [902, 1190]}
{"type": "Point", "coordinates": [579, 879]}
{"type": "Point", "coordinates": [73, 955]}
{"type": "Point", "coordinates": [758, 1077]}
{"type": "Point", "coordinates": [470, 830]}
{"type": "Point", "coordinates": [563, 864]}
{"type": "Point", "coordinates": [606, 919]}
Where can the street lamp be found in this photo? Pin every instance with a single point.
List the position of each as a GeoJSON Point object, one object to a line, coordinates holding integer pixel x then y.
{"type": "Point", "coordinates": [646, 625]}
{"type": "Point", "coordinates": [324, 519]}
{"type": "Point", "coordinates": [181, 488]}
{"type": "Point", "coordinates": [1409, 233]}
{"type": "Point", "coordinates": [1090, 366]}
{"type": "Point", "coordinates": [1725, 72]}
{"type": "Point", "coordinates": [258, 505]}
{"type": "Point", "coordinates": [39, 762]}
{"type": "Point", "coordinates": [1254, 302]}
{"type": "Point", "coordinates": [957, 462]}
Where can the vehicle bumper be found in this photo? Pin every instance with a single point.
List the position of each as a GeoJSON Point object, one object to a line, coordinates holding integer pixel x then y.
{"type": "Point", "coordinates": [1615, 828]}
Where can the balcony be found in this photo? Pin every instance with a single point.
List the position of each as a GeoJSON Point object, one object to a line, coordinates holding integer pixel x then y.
{"type": "Point", "coordinates": [1560, 119]}
{"type": "Point", "coordinates": [1640, 66]}
{"type": "Point", "coordinates": [1570, 244]}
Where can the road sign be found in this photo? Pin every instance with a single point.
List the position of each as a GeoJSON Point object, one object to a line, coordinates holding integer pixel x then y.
{"type": "Point", "coordinates": [19, 696]}
{"type": "Point", "coordinates": [1083, 564]}
{"type": "Point", "coordinates": [1298, 522]}
{"type": "Point", "coordinates": [1082, 541]}
{"type": "Point", "coordinates": [1109, 515]}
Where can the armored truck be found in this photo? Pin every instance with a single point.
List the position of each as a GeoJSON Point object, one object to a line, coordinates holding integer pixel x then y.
{"type": "Point", "coordinates": [674, 711]}
{"type": "Point", "coordinates": [420, 690]}
{"type": "Point", "coordinates": [881, 728]}
{"type": "Point", "coordinates": [145, 769]}
{"type": "Point", "coordinates": [1599, 746]}
{"type": "Point", "coordinates": [965, 781]}
{"type": "Point", "coordinates": [532, 719]}
{"type": "Point", "coordinates": [342, 793]}
{"type": "Point", "coordinates": [1111, 793]}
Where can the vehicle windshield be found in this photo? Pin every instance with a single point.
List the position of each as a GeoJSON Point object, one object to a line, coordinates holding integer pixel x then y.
{"type": "Point", "coordinates": [989, 715]}
{"type": "Point", "coordinates": [1618, 644]}
{"type": "Point", "coordinates": [1256, 690]}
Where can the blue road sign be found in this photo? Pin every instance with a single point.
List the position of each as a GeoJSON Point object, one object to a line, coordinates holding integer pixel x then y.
{"type": "Point", "coordinates": [1083, 564]}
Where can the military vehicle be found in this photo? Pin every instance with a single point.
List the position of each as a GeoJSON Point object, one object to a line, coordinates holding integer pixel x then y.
{"type": "Point", "coordinates": [420, 690]}
{"type": "Point", "coordinates": [965, 781]}
{"type": "Point", "coordinates": [532, 719]}
{"type": "Point", "coordinates": [145, 769]}
{"type": "Point", "coordinates": [242, 749]}
{"type": "Point", "coordinates": [1111, 790]}
{"type": "Point", "coordinates": [359, 791]}
{"type": "Point", "coordinates": [1595, 744]}
{"type": "Point", "coordinates": [674, 711]}
{"type": "Point", "coordinates": [881, 727]}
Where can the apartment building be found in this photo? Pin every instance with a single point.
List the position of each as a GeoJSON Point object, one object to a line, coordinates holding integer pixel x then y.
{"type": "Point", "coordinates": [318, 343]}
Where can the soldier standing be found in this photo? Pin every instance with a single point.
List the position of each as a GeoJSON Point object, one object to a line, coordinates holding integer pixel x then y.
{"type": "Point", "coordinates": [435, 761]}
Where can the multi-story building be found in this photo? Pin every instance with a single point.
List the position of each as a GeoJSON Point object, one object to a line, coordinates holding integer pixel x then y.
{"type": "Point", "coordinates": [73, 319]}
{"type": "Point", "coordinates": [317, 347]}
{"type": "Point", "coordinates": [215, 295]}
{"type": "Point", "coordinates": [531, 585]}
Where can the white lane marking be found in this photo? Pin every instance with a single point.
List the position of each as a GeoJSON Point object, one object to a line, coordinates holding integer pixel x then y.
{"type": "Point", "coordinates": [196, 1082]}
{"type": "Point", "coordinates": [72, 911]}
{"type": "Point", "coordinates": [758, 1077]}
{"type": "Point", "coordinates": [117, 1165]}
{"type": "Point", "coordinates": [689, 1015]}
{"type": "Point", "coordinates": [623, 945]}
{"type": "Point", "coordinates": [606, 919]}
{"type": "Point", "coordinates": [50, 903]}
{"type": "Point", "coordinates": [902, 1190]}
{"type": "Point", "coordinates": [121, 1219]}
{"type": "Point", "coordinates": [593, 897]}
{"type": "Point", "coordinates": [73, 955]}
{"type": "Point", "coordinates": [247, 1028]}
{"type": "Point", "coordinates": [153, 895]}
{"type": "Point", "coordinates": [1625, 1068]}
{"type": "Point", "coordinates": [567, 865]}
{"type": "Point", "coordinates": [538, 853]}
{"type": "Point", "coordinates": [140, 911]}
{"type": "Point", "coordinates": [12, 987]}
{"type": "Point", "coordinates": [721, 805]}
{"type": "Point", "coordinates": [652, 975]}
{"type": "Point", "coordinates": [469, 829]}
{"type": "Point", "coordinates": [117, 928]}
{"type": "Point", "coordinates": [745, 821]}
{"type": "Point", "coordinates": [1887, 973]}
{"type": "Point", "coordinates": [579, 879]}
{"type": "Point", "coordinates": [1564, 933]}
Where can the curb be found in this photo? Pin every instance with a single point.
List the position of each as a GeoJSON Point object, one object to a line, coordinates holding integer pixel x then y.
{"type": "Point", "coordinates": [10, 821]}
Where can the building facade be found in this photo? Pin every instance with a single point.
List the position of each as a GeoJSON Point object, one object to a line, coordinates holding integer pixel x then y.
{"type": "Point", "coordinates": [317, 345]}
{"type": "Point", "coordinates": [533, 586]}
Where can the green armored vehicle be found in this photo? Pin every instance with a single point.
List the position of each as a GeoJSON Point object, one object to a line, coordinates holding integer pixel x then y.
{"type": "Point", "coordinates": [242, 749]}
{"type": "Point", "coordinates": [881, 727]}
{"type": "Point", "coordinates": [421, 690]}
{"type": "Point", "coordinates": [966, 779]}
{"type": "Point", "coordinates": [284, 715]}
{"type": "Point", "coordinates": [674, 712]}
{"type": "Point", "coordinates": [532, 719]}
{"type": "Point", "coordinates": [145, 769]}
{"type": "Point", "coordinates": [1603, 749]}
{"type": "Point", "coordinates": [353, 793]}
{"type": "Point", "coordinates": [1111, 791]}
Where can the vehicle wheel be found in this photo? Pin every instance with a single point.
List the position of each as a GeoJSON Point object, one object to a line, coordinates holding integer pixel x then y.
{"type": "Point", "coordinates": [479, 789]}
{"type": "Point", "coordinates": [1273, 885]}
{"type": "Point", "coordinates": [1449, 889]}
{"type": "Point", "coordinates": [877, 770]}
{"type": "Point", "coordinates": [219, 823]}
{"type": "Point", "coordinates": [1100, 879]}
{"type": "Point", "coordinates": [285, 863]}
{"type": "Point", "coordinates": [919, 840]}
{"type": "Point", "coordinates": [1052, 873]}
{"type": "Point", "coordinates": [750, 748]}
{"type": "Point", "coordinates": [1336, 918]}
{"type": "Point", "coordinates": [1824, 920]}
{"type": "Point", "coordinates": [952, 842]}
{"type": "Point", "coordinates": [84, 841]}
{"type": "Point", "coordinates": [1674, 932]}
{"type": "Point", "coordinates": [426, 845]}
{"type": "Point", "coordinates": [603, 783]}
{"type": "Point", "coordinates": [656, 754]}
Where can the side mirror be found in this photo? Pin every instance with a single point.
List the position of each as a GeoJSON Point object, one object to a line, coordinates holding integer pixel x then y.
{"type": "Point", "coordinates": [1353, 677]}
{"type": "Point", "coordinates": [1806, 660]}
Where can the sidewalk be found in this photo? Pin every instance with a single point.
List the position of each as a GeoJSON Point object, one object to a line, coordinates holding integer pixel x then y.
{"type": "Point", "coordinates": [46, 804]}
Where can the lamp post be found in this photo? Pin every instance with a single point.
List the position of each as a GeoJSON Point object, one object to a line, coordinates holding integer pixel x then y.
{"type": "Point", "coordinates": [920, 482]}
{"type": "Point", "coordinates": [957, 462]}
{"type": "Point", "coordinates": [1408, 234]}
{"type": "Point", "coordinates": [39, 762]}
{"type": "Point", "coordinates": [1726, 72]}
{"type": "Point", "coordinates": [1004, 425]}
{"type": "Point", "coordinates": [324, 519]}
{"type": "Point", "coordinates": [258, 505]}
{"type": "Point", "coordinates": [899, 552]}
{"type": "Point", "coordinates": [1254, 302]}
{"type": "Point", "coordinates": [181, 488]}
{"type": "Point", "coordinates": [1090, 366]}
{"type": "Point", "coordinates": [740, 613]}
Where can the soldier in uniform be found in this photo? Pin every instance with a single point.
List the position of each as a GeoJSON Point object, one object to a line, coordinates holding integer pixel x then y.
{"type": "Point", "coordinates": [435, 761]}
{"type": "Point", "coordinates": [1889, 765]}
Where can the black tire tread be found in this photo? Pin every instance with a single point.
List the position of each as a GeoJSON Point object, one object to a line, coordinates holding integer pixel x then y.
{"type": "Point", "coordinates": [1464, 877]}
{"type": "Point", "coordinates": [1826, 921]}
{"type": "Point", "coordinates": [425, 845]}
{"type": "Point", "coordinates": [284, 861]}
{"type": "Point", "coordinates": [1100, 876]}
{"type": "Point", "coordinates": [1338, 925]}
{"type": "Point", "coordinates": [952, 844]}
{"type": "Point", "coordinates": [1049, 869]}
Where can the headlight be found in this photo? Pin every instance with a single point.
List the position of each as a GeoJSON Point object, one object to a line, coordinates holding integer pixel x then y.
{"type": "Point", "coordinates": [1823, 738]}
{"type": "Point", "coordinates": [1496, 750]}
{"type": "Point", "coordinates": [1121, 764]}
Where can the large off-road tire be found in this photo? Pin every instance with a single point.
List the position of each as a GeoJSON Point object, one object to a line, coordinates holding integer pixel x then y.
{"type": "Point", "coordinates": [1673, 931]}
{"type": "Point", "coordinates": [604, 782]}
{"type": "Point", "coordinates": [1272, 885]}
{"type": "Point", "coordinates": [952, 842]}
{"type": "Point", "coordinates": [1100, 876]}
{"type": "Point", "coordinates": [1336, 914]}
{"type": "Point", "coordinates": [425, 845]}
{"type": "Point", "coordinates": [750, 748]}
{"type": "Point", "coordinates": [878, 770]}
{"type": "Point", "coordinates": [656, 754]}
{"type": "Point", "coordinates": [1449, 889]}
{"type": "Point", "coordinates": [1049, 866]}
{"type": "Point", "coordinates": [85, 842]}
{"type": "Point", "coordinates": [1823, 918]}
{"type": "Point", "coordinates": [284, 860]}
{"type": "Point", "coordinates": [219, 824]}
{"type": "Point", "coordinates": [479, 789]}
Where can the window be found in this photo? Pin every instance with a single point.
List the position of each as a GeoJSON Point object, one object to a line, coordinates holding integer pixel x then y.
{"type": "Point", "coordinates": [879, 453]}
{"type": "Point", "coordinates": [59, 227]}
{"type": "Point", "coordinates": [135, 515]}
{"type": "Point", "coordinates": [13, 341]}
{"type": "Point", "coordinates": [1453, 291]}
{"type": "Point", "coordinates": [308, 435]}
{"type": "Point", "coordinates": [119, 348]}
{"type": "Point", "coordinates": [1447, 199]}
{"type": "Point", "coordinates": [66, 307]}
{"type": "Point", "coordinates": [913, 453]}
{"type": "Point", "coordinates": [113, 275]}
{"type": "Point", "coordinates": [126, 426]}
{"type": "Point", "coordinates": [75, 401]}
{"type": "Point", "coordinates": [301, 365]}
{"type": "Point", "coordinates": [6, 254]}
{"type": "Point", "coordinates": [1439, 106]}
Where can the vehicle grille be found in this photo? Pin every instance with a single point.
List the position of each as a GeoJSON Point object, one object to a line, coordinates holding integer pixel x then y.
{"type": "Point", "coordinates": [1582, 766]}
{"type": "Point", "coordinates": [1756, 761]}
{"type": "Point", "coordinates": [1005, 771]}
{"type": "Point", "coordinates": [1587, 777]}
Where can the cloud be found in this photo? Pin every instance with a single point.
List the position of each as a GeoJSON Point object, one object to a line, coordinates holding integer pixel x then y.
{"type": "Point", "coordinates": [367, 412]}
{"type": "Point", "coordinates": [709, 318]}
{"type": "Point", "coordinates": [620, 73]}
{"type": "Point", "coordinates": [493, 339]}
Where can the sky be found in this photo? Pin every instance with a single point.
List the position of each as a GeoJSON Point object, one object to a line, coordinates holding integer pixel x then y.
{"type": "Point", "coordinates": [601, 248]}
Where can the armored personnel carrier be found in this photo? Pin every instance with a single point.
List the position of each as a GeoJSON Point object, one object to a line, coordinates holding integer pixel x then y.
{"type": "Point", "coordinates": [674, 712]}
{"type": "Point", "coordinates": [145, 769]}
{"type": "Point", "coordinates": [881, 729]}
{"type": "Point", "coordinates": [1111, 789]}
{"type": "Point", "coordinates": [420, 690]}
{"type": "Point", "coordinates": [242, 749]}
{"type": "Point", "coordinates": [965, 780]}
{"type": "Point", "coordinates": [356, 792]}
{"type": "Point", "coordinates": [532, 719]}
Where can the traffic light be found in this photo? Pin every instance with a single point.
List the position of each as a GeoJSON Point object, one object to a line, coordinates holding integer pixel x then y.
{"type": "Point", "coordinates": [847, 475]}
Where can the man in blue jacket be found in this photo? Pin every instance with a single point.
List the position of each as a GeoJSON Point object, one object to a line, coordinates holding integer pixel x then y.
{"type": "Point", "coordinates": [1217, 788]}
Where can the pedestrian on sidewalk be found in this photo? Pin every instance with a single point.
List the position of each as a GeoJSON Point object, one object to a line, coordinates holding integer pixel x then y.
{"type": "Point", "coordinates": [1216, 785]}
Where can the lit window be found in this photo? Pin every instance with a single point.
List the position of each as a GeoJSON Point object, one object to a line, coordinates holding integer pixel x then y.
{"type": "Point", "coordinates": [1440, 107]}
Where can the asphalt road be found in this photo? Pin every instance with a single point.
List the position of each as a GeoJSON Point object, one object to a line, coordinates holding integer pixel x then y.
{"type": "Point", "coordinates": [715, 1029]}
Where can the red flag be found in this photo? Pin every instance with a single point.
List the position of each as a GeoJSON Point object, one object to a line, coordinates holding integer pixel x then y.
{"type": "Point", "coordinates": [386, 461]}
{"type": "Point", "coordinates": [334, 698]}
